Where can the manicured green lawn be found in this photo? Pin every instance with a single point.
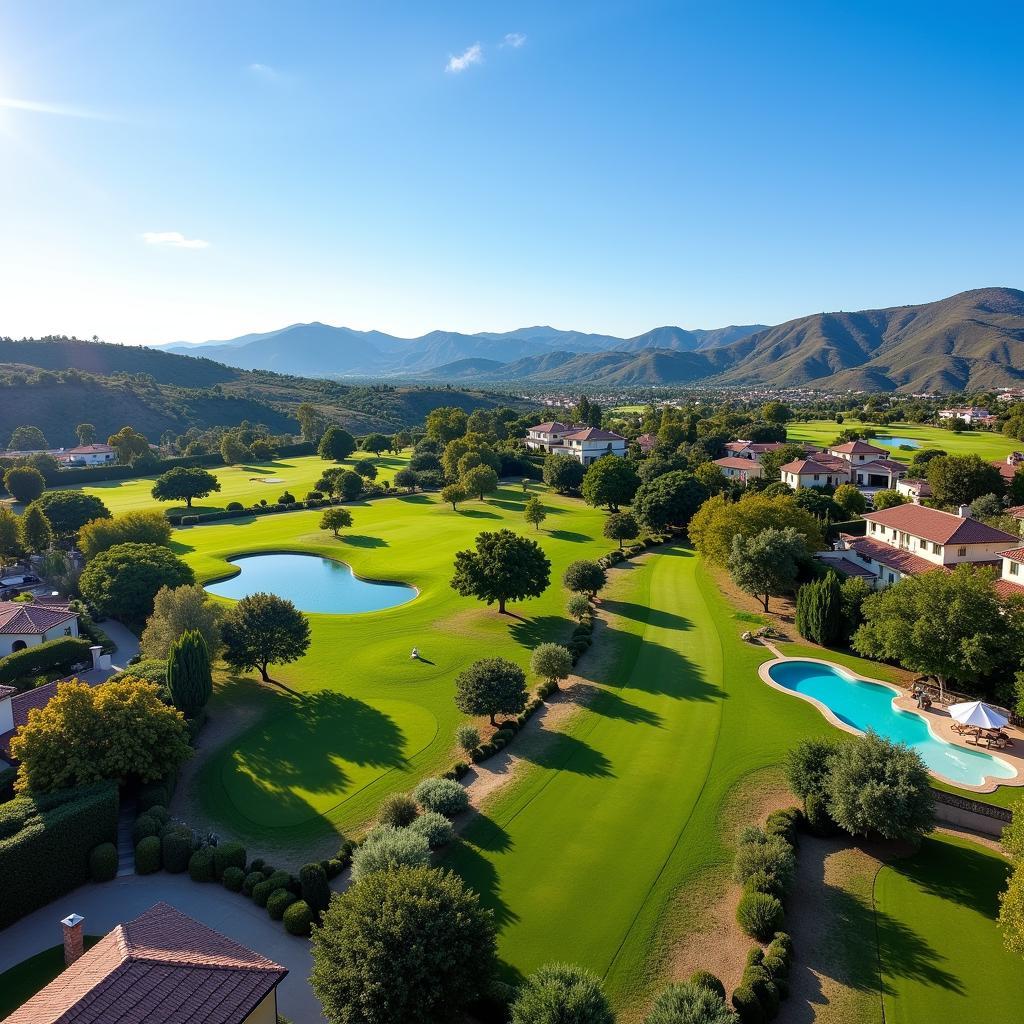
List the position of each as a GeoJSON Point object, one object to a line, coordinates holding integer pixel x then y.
{"type": "Point", "coordinates": [983, 442]}
{"type": "Point", "coordinates": [24, 980]}
{"type": "Point", "coordinates": [247, 484]}
{"type": "Point", "coordinates": [940, 952]}
{"type": "Point", "coordinates": [365, 719]}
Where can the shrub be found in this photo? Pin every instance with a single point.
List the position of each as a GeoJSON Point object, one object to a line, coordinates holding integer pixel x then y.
{"type": "Point", "coordinates": [778, 968]}
{"type": "Point", "coordinates": [504, 735]}
{"type": "Point", "coordinates": [147, 856]}
{"type": "Point", "coordinates": [781, 945]}
{"type": "Point", "coordinates": [176, 846]}
{"type": "Point", "coordinates": [232, 878]}
{"type": "Point", "coordinates": [819, 821]}
{"type": "Point", "coordinates": [103, 862]}
{"type": "Point", "coordinates": [468, 737]}
{"type": "Point", "coordinates": [442, 795]}
{"type": "Point", "coordinates": [708, 980]}
{"type": "Point", "coordinates": [691, 1003]}
{"type": "Point", "coordinates": [160, 815]}
{"type": "Point", "coordinates": [227, 855]}
{"type": "Point", "coordinates": [200, 865]}
{"type": "Point", "coordinates": [298, 918]}
{"type": "Point", "coordinates": [251, 881]}
{"type": "Point", "coordinates": [387, 848]}
{"type": "Point", "coordinates": [153, 794]}
{"type": "Point", "coordinates": [278, 902]}
{"type": "Point", "coordinates": [755, 957]}
{"type": "Point", "coordinates": [774, 856]}
{"type": "Point", "coordinates": [334, 867]}
{"type": "Point", "coordinates": [57, 655]}
{"type": "Point", "coordinates": [759, 914]}
{"type": "Point", "coordinates": [748, 1006]}
{"type": "Point", "coordinates": [762, 881]}
{"type": "Point", "coordinates": [144, 827]}
{"type": "Point", "coordinates": [234, 506]}
{"type": "Point", "coordinates": [398, 809]}
{"type": "Point", "coordinates": [785, 824]}
{"type": "Point", "coordinates": [315, 891]}
{"type": "Point", "coordinates": [435, 828]}
{"type": "Point", "coordinates": [561, 994]}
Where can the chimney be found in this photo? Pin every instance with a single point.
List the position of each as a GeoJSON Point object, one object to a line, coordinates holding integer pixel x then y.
{"type": "Point", "coordinates": [73, 938]}
{"type": "Point", "coordinates": [96, 651]}
{"type": "Point", "coordinates": [964, 511]}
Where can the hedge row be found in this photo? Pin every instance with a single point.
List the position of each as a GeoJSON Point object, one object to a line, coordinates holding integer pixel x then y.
{"type": "Point", "coordinates": [59, 654]}
{"type": "Point", "coordinates": [638, 547]}
{"type": "Point", "coordinates": [46, 842]}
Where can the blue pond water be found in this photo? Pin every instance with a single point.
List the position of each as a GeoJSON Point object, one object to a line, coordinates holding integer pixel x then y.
{"type": "Point", "coordinates": [895, 442]}
{"type": "Point", "coordinates": [312, 583]}
{"type": "Point", "coordinates": [867, 705]}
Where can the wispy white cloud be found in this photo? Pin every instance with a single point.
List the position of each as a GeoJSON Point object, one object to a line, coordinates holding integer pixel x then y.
{"type": "Point", "coordinates": [173, 240]}
{"type": "Point", "coordinates": [471, 55]}
{"type": "Point", "coordinates": [58, 109]}
{"type": "Point", "coordinates": [514, 39]}
{"type": "Point", "coordinates": [264, 70]}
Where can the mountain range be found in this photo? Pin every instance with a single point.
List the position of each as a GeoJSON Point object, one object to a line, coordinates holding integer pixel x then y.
{"type": "Point", "coordinates": [970, 341]}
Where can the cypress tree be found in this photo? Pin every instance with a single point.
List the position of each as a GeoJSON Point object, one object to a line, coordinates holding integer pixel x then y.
{"type": "Point", "coordinates": [819, 610]}
{"type": "Point", "coordinates": [188, 673]}
{"type": "Point", "coordinates": [803, 602]}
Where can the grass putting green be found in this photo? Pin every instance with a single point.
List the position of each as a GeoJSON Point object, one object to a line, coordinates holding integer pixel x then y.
{"type": "Point", "coordinates": [981, 442]}
{"type": "Point", "coordinates": [19, 983]}
{"type": "Point", "coordinates": [247, 484]}
{"type": "Point", "coordinates": [363, 719]}
{"type": "Point", "coordinates": [941, 955]}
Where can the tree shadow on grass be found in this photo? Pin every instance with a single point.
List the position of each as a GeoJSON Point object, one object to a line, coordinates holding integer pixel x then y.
{"type": "Point", "coordinates": [641, 613]}
{"type": "Point", "coordinates": [358, 540]}
{"type": "Point", "coordinates": [415, 499]}
{"type": "Point", "coordinates": [482, 835]}
{"type": "Point", "coordinates": [576, 538]}
{"type": "Point", "coordinates": [538, 630]}
{"type": "Point", "coordinates": [566, 753]}
{"type": "Point", "coordinates": [611, 704]}
{"type": "Point", "coordinates": [477, 513]}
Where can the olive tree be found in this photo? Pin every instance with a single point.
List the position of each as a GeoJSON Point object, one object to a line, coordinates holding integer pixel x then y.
{"type": "Point", "coordinates": [491, 686]}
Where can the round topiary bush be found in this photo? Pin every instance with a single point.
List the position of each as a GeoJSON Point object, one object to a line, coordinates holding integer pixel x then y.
{"type": "Point", "coordinates": [262, 890]}
{"type": "Point", "coordinates": [760, 982]}
{"type": "Point", "coordinates": [200, 865]}
{"type": "Point", "coordinates": [759, 914]}
{"type": "Point", "coordinates": [334, 867]}
{"type": "Point", "coordinates": [445, 796]}
{"type": "Point", "coordinates": [435, 828]}
{"type": "Point", "coordinates": [398, 809]}
{"type": "Point", "coordinates": [228, 855]}
{"type": "Point", "coordinates": [147, 856]}
{"type": "Point", "coordinates": [690, 1003]}
{"type": "Point", "coordinates": [298, 918]}
{"type": "Point", "coordinates": [778, 970]}
{"type": "Point", "coordinates": [761, 881]}
{"type": "Point", "coordinates": [144, 826]}
{"type": "Point", "coordinates": [160, 814]}
{"type": "Point", "coordinates": [387, 848]}
{"type": "Point", "coordinates": [561, 992]}
{"type": "Point", "coordinates": [234, 506]}
{"type": "Point", "coordinates": [177, 848]}
{"type": "Point", "coordinates": [153, 794]}
{"type": "Point", "coordinates": [252, 879]}
{"type": "Point", "coordinates": [781, 945]}
{"type": "Point", "coordinates": [468, 737]}
{"type": "Point", "coordinates": [785, 824]}
{"type": "Point", "coordinates": [103, 862]}
{"type": "Point", "coordinates": [708, 980]}
{"type": "Point", "coordinates": [313, 887]}
{"type": "Point", "coordinates": [774, 856]}
{"type": "Point", "coordinates": [232, 878]}
{"type": "Point", "coordinates": [278, 902]}
{"type": "Point", "coordinates": [747, 1006]}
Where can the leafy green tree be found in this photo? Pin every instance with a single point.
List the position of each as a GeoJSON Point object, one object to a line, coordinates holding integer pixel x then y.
{"type": "Point", "coordinates": [503, 567]}
{"type": "Point", "coordinates": [411, 945]}
{"type": "Point", "coordinates": [261, 630]}
{"type": "Point", "coordinates": [183, 483]}
{"type": "Point", "coordinates": [28, 439]}
{"type": "Point", "coordinates": [491, 686]}
{"type": "Point", "coordinates": [767, 564]}
{"type": "Point", "coordinates": [316, 890]}
{"type": "Point", "coordinates": [10, 545]}
{"type": "Point", "coordinates": [34, 533]}
{"type": "Point", "coordinates": [176, 611]}
{"type": "Point", "coordinates": [1011, 912]}
{"type": "Point", "coordinates": [480, 481]}
{"type": "Point", "coordinates": [366, 469]}
{"type": "Point", "coordinates": [819, 610]}
{"type": "Point", "coordinates": [336, 519]}
{"type": "Point", "coordinates": [563, 473]}
{"type": "Point", "coordinates": [446, 423]}
{"type": "Point", "coordinates": [776, 412]}
{"type": "Point", "coordinates": [772, 462]}
{"type": "Point", "coordinates": [341, 482]}
{"type": "Point", "coordinates": [120, 730]}
{"type": "Point", "coordinates": [233, 451]}
{"type": "Point", "coordinates": [375, 443]}
{"type": "Point", "coordinates": [561, 994]}
{"type": "Point", "coordinates": [808, 766]}
{"type": "Point", "coordinates": [819, 504]}
{"type": "Point", "coordinates": [136, 527]}
{"type": "Point", "coordinates": [389, 847]}
{"type": "Point", "coordinates": [453, 494]}
{"type": "Point", "coordinates": [24, 484]}
{"type": "Point", "coordinates": [336, 444]}
{"type": "Point", "coordinates": [261, 450]}
{"type": "Point", "coordinates": [552, 662]}
{"type": "Point", "coordinates": [959, 479]}
{"type": "Point", "coordinates": [123, 580]}
{"type": "Point", "coordinates": [312, 423]}
{"type": "Point", "coordinates": [711, 477]}
{"type": "Point", "coordinates": [578, 606]}
{"type": "Point", "coordinates": [689, 1002]}
{"type": "Point", "coordinates": [534, 511]}
{"type": "Point", "coordinates": [948, 624]}
{"type": "Point", "coordinates": [407, 478]}
{"type": "Point", "coordinates": [587, 412]}
{"type": "Point", "coordinates": [189, 676]}
{"type": "Point", "coordinates": [888, 499]}
{"type": "Point", "coordinates": [610, 481]}
{"type": "Point", "coordinates": [621, 526]}
{"type": "Point", "coordinates": [69, 511]}
{"type": "Point", "coordinates": [400, 441]}
{"type": "Point", "coordinates": [584, 577]}
{"type": "Point", "coordinates": [669, 500]}
{"type": "Point", "coordinates": [879, 787]}
{"type": "Point", "coordinates": [86, 433]}
{"type": "Point", "coordinates": [850, 500]}
{"type": "Point", "coordinates": [129, 445]}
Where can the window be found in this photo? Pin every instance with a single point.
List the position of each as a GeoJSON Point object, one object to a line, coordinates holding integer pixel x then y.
{"type": "Point", "coordinates": [67, 631]}
{"type": "Point", "coordinates": [1014, 568]}
{"type": "Point", "coordinates": [815, 476]}
{"type": "Point", "coordinates": [936, 548]}
{"type": "Point", "coordinates": [961, 552]}
{"type": "Point", "coordinates": [892, 578]}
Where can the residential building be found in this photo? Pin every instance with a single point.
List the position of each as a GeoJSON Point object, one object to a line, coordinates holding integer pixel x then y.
{"type": "Point", "coordinates": [915, 488]}
{"type": "Point", "coordinates": [87, 455]}
{"type": "Point", "coordinates": [751, 450]}
{"type": "Point", "coordinates": [739, 468]}
{"type": "Point", "coordinates": [1008, 467]}
{"type": "Point", "coordinates": [1011, 573]}
{"type": "Point", "coordinates": [27, 625]}
{"type": "Point", "coordinates": [647, 442]}
{"type": "Point", "coordinates": [592, 443]}
{"type": "Point", "coordinates": [972, 414]}
{"type": "Point", "coordinates": [546, 436]}
{"type": "Point", "coordinates": [911, 539]}
{"type": "Point", "coordinates": [819, 471]}
{"type": "Point", "coordinates": [162, 968]}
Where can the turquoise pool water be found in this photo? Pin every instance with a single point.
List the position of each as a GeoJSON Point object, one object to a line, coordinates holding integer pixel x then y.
{"type": "Point", "coordinates": [895, 442]}
{"type": "Point", "coordinates": [312, 583]}
{"type": "Point", "coordinates": [867, 705]}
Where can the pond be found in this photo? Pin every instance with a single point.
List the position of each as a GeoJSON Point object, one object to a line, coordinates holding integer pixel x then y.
{"type": "Point", "coordinates": [311, 583]}
{"type": "Point", "coordinates": [868, 705]}
{"type": "Point", "coordinates": [897, 442]}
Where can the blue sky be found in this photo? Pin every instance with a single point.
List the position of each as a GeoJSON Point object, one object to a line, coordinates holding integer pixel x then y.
{"type": "Point", "coordinates": [197, 170]}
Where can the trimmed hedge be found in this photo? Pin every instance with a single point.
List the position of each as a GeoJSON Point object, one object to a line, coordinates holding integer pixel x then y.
{"type": "Point", "coordinates": [435, 828]}
{"type": "Point", "coordinates": [103, 862]}
{"type": "Point", "coordinates": [147, 856]}
{"type": "Point", "coordinates": [228, 855]}
{"type": "Point", "coordinates": [200, 865]}
{"type": "Point", "coordinates": [262, 890]}
{"type": "Point", "coordinates": [53, 655]}
{"type": "Point", "coordinates": [251, 880]}
{"type": "Point", "coordinates": [278, 902]}
{"type": "Point", "coordinates": [45, 842]}
{"type": "Point", "coordinates": [748, 1006]}
{"type": "Point", "coordinates": [298, 918]}
{"type": "Point", "coordinates": [232, 878]}
{"type": "Point", "coordinates": [709, 981]}
{"type": "Point", "coordinates": [177, 849]}
{"type": "Point", "coordinates": [144, 827]}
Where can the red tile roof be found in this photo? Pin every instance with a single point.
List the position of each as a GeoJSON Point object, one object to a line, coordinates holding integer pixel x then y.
{"type": "Point", "coordinates": [939, 527]}
{"type": "Point", "coordinates": [1014, 554]}
{"type": "Point", "coordinates": [858, 448]}
{"type": "Point", "coordinates": [593, 434]}
{"type": "Point", "coordinates": [16, 617]}
{"type": "Point", "coordinates": [1006, 588]}
{"type": "Point", "coordinates": [848, 568]}
{"type": "Point", "coordinates": [732, 462]}
{"type": "Point", "coordinates": [1017, 511]}
{"type": "Point", "coordinates": [1007, 470]}
{"type": "Point", "coordinates": [162, 968]}
{"type": "Point", "coordinates": [805, 466]}
{"type": "Point", "coordinates": [919, 484]}
{"type": "Point", "coordinates": [893, 558]}
{"type": "Point", "coordinates": [89, 449]}
{"type": "Point", "coordinates": [890, 464]}
{"type": "Point", "coordinates": [553, 427]}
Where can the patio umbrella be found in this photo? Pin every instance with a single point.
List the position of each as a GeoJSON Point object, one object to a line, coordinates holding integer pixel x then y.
{"type": "Point", "coordinates": [979, 714]}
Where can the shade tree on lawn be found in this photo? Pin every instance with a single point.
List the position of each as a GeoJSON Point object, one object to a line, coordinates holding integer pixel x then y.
{"type": "Point", "coordinates": [140, 526]}
{"type": "Point", "coordinates": [669, 500]}
{"type": "Point", "coordinates": [552, 662]}
{"type": "Point", "coordinates": [578, 606]}
{"type": "Point", "coordinates": [534, 511]}
{"type": "Point", "coordinates": [621, 526]}
{"type": "Point", "coordinates": [338, 481]}
{"type": "Point", "coordinates": [503, 567]}
{"type": "Point", "coordinates": [24, 484]}
{"type": "Point", "coordinates": [183, 483]}
{"type": "Point", "coordinates": [407, 478]}
{"type": "Point", "coordinates": [563, 473]}
{"type": "Point", "coordinates": [767, 564]}
{"type": "Point", "coordinates": [336, 519]}
{"type": "Point", "coordinates": [584, 577]}
{"type": "Point", "coordinates": [480, 480]}
{"type": "Point", "coordinates": [123, 581]}
{"type": "Point", "coordinates": [376, 443]}
{"type": "Point", "coordinates": [452, 494]}
{"type": "Point", "coordinates": [610, 481]}
{"type": "Point", "coordinates": [366, 469]}
{"type": "Point", "coordinates": [233, 451]}
{"type": "Point", "coordinates": [261, 630]}
{"type": "Point", "coordinates": [336, 444]}
{"type": "Point", "coordinates": [491, 686]}
{"type": "Point", "coordinates": [69, 511]}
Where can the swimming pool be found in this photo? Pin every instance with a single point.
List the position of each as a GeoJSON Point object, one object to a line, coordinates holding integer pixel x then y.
{"type": "Point", "coordinates": [311, 583]}
{"type": "Point", "coordinates": [865, 705]}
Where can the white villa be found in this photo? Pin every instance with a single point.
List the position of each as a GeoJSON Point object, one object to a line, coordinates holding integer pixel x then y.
{"type": "Point", "coordinates": [83, 455]}
{"type": "Point", "coordinates": [739, 468]}
{"type": "Point", "coordinates": [914, 488]}
{"type": "Point", "coordinates": [27, 625]}
{"type": "Point", "coordinates": [582, 443]}
{"type": "Point", "coordinates": [969, 414]}
{"type": "Point", "coordinates": [751, 450]}
{"type": "Point", "coordinates": [546, 436]}
{"type": "Point", "coordinates": [855, 462]}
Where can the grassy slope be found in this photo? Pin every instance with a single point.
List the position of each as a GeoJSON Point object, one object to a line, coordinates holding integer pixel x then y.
{"type": "Point", "coordinates": [941, 954]}
{"type": "Point", "coordinates": [986, 444]}
{"type": "Point", "coordinates": [368, 720]}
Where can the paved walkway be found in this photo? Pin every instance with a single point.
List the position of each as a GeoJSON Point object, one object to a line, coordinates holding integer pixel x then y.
{"type": "Point", "coordinates": [105, 905]}
{"type": "Point", "coordinates": [127, 642]}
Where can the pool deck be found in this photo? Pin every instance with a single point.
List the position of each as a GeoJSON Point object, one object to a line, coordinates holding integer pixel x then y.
{"type": "Point", "coordinates": [937, 718]}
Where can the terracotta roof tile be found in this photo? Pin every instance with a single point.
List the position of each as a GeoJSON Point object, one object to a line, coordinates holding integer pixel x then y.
{"type": "Point", "coordinates": [594, 434]}
{"type": "Point", "coordinates": [939, 527]}
{"type": "Point", "coordinates": [732, 462]}
{"type": "Point", "coordinates": [805, 466]}
{"type": "Point", "coordinates": [16, 617]}
{"type": "Point", "coordinates": [553, 426]}
{"type": "Point", "coordinates": [893, 558]}
{"type": "Point", "coordinates": [858, 448]}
